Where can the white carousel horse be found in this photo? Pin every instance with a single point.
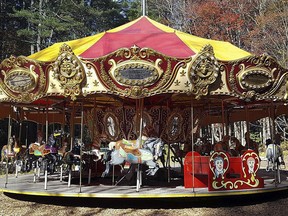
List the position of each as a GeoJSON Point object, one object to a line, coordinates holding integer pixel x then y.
{"type": "Point", "coordinates": [129, 151]}
{"type": "Point", "coordinates": [274, 156]}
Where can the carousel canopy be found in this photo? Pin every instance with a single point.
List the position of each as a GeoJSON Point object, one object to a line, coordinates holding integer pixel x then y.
{"type": "Point", "coordinates": [143, 32]}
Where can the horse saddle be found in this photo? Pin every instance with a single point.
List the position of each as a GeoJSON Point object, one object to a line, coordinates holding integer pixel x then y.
{"type": "Point", "coordinates": [10, 154]}
{"type": "Point", "coordinates": [129, 147]}
{"type": "Point", "coordinates": [16, 150]}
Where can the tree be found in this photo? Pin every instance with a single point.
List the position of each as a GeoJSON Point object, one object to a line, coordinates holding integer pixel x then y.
{"type": "Point", "coordinates": [10, 43]}
{"type": "Point", "coordinates": [270, 33]}
{"type": "Point", "coordinates": [174, 13]}
{"type": "Point", "coordinates": [40, 23]}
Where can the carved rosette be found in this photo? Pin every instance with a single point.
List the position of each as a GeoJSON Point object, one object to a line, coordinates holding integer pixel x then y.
{"type": "Point", "coordinates": [69, 71]}
{"type": "Point", "coordinates": [22, 79]}
{"type": "Point", "coordinates": [203, 71]}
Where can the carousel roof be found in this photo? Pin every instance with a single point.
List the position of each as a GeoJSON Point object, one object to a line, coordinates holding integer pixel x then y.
{"type": "Point", "coordinates": [142, 59]}
{"type": "Point", "coordinates": [143, 32]}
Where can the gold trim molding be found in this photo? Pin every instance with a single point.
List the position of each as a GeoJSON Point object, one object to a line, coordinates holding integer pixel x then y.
{"type": "Point", "coordinates": [135, 72]}
{"type": "Point", "coordinates": [23, 79]}
{"type": "Point", "coordinates": [69, 71]}
{"type": "Point", "coordinates": [203, 71]}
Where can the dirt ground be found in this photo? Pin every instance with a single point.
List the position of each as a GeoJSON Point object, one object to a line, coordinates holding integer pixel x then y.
{"type": "Point", "coordinates": [15, 207]}
{"type": "Point", "coordinates": [270, 205]}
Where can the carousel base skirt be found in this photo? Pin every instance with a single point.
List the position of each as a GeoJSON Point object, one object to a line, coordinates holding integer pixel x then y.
{"type": "Point", "coordinates": [99, 189]}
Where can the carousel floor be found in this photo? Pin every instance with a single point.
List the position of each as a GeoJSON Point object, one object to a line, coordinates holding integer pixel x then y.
{"type": "Point", "coordinates": [103, 188]}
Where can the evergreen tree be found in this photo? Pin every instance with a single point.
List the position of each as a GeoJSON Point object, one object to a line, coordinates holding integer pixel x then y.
{"type": "Point", "coordinates": [10, 43]}
{"type": "Point", "coordinates": [40, 23]}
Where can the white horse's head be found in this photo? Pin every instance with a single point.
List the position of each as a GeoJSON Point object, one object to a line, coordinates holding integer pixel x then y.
{"type": "Point", "coordinates": [111, 145]}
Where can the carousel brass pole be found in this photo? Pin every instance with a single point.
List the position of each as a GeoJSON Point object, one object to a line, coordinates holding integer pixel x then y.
{"type": "Point", "coordinates": [81, 152]}
{"type": "Point", "coordinates": [72, 126]}
{"type": "Point", "coordinates": [46, 171]}
{"type": "Point", "coordinates": [272, 122]}
{"type": "Point", "coordinates": [63, 121]}
{"type": "Point", "coordinates": [272, 113]}
{"type": "Point", "coordinates": [46, 136]}
{"type": "Point", "coordinates": [192, 143]}
{"type": "Point", "coordinates": [20, 125]}
{"type": "Point", "coordinates": [63, 130]}
{"type": "Point", "coordinates": [139, 112]}
{"type": "Point", "coordinates": [9, 147]}
{"type": "Point", "coordinates": [93, 135]}
{"type": "Point", "coordinates": [223, 119]}
{"type": "Point", "coordinates": [18, 113]}
{"type": "Point", "coordinates": [168, 155]}
{"type": "Point", "coordinates": [93, 116]}
{"type": "Point", "coordinates": [125, 123]}
{"type": "Point", "coordinates": [210, 128]}
{"type": "Point", "coordinates": [247, 135]}
{"type": "Point", "coordinates": [71, 140]}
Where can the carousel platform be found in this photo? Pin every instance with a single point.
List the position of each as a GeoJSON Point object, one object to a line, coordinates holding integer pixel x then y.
{"type": "Point", "coordinates": [99, 190]}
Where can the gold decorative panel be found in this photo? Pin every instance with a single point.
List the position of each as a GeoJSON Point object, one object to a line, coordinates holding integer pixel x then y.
{"type": "Point", "coordinates": [203, 71]}
{"type": "Point", "coordinates": [69, 71]}
{"type": "Point", "coordinates": [23, 79]}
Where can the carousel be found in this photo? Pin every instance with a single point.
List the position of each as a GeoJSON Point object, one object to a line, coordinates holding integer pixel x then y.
{"type": "Point", "coordinates": [145, 111]}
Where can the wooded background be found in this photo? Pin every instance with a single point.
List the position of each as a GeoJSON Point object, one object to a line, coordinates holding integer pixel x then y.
{"type": "Point", "coordinates": [258, 26]}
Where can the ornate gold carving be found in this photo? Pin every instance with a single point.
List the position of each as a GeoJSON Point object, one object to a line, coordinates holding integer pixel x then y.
{"type": "Point", "coordinates": [203, 71]}
{"type": "Point", "coordinates": [135, 72]}
{"type": "Point", "coordinates": [24, 79]}
{"type": "Point", "coordinates": [174, 125]}
{"type": "Point", "coordinates": [177, 82]}
{"type": "Point", "coordinates": [123, 77]}
{"type": "Point", "coordinates": [89, 74]}
{"type": "Point", "coordinates": [69, 71]}
{"type": "Point", "coordinates": [254, 78]}
{"type": "Point", "coordinates": [52, 86]}
{"type": "Point", "coordinates": [111, 125]}
{"type": "Point", "coordinates": [95, 83]}
{"type": "Point", "coordinates": [21, 79]}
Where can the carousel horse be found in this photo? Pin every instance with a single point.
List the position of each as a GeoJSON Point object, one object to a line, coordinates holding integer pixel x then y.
{"type": "Point", "coordinates": [177, 153]}
{"type": "Point", "coordinates": [238, 149]}
{"type": "Point", "coordinates": [72, 157]}
{"type": "Point", "coordinates": [202, 145]}
{"type": "Point", "coordinates": [44, 153]}
{"type": "Point", "coordinates": [13, 152]}
{"type": "Point", "coordinates": [222, 145]}
{"type": "Point", "coordinates": [274, 155]}
{"type": "Point", "coordinates": [130, 151]}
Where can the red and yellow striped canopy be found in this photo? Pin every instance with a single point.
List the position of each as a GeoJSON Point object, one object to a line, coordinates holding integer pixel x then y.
{"type": "Point", "coordinates": [143, 32]}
